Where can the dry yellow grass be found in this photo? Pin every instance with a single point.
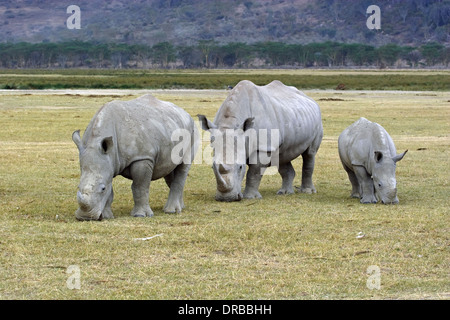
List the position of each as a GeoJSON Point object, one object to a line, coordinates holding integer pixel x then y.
{"type": "Point", "coordinates": [281, 247]}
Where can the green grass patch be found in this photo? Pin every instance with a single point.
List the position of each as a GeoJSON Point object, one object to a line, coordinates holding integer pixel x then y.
{"type": "Point", "coordinates": [220, 79]}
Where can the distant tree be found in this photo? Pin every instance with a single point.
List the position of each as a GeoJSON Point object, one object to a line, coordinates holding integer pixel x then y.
{"type": "Point", "coordinates": [403, 13]}
{"type": "Point", "coordinates": [141, 53]}
{"type": "Point", "coordinates": [191, 56]}
{"type": "Point", "coordinates": [432, 52]}
{"type": "Point", "coordinates": [413, 57]}
{"type": "Point", "coordinates": [334, 53]}
{"type": "Point", "coordinates": [275, 53]}
{"type": "Point", "coordinates": [206, 47]}
{"type": "Point", "coordinates": [389, 54]}
{"type": "Point", "coordinates": [360, 54]}
{"type": "Point", "coordinates": [318, 53]}
{"type": "Point", "coordinates": [217, 55]}
{"type": "Point", "coordinates": [446, 56]}
{"type": "Point", "coordinates": [164, 53]}
{"type": "Point", "coordinates": [119, 55]}
{"type": "Point", "coordinates": [102, 55]}
{"type": "Point", "coordinates": [235, 53]}
{"type": "Point", "coordinates": [303, 55]}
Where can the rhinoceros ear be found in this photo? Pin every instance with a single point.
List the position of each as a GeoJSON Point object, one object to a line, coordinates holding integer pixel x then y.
{"type": "Point", "coordinates": [378, 155]}
{"type": "Point", "coordinates": [206, 124]}
{"type": "Point", "coordinates": [107, 145]}
{"type": "Point", "coordinates": [248, 123]}
{"type": "Point", "coordinates": [399, 156]}
{"type": "Point", "coordinates": [77, 139]}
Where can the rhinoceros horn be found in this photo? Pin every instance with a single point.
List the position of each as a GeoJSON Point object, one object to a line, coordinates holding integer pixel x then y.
{"type": "Point", "coordinates": [221, 184]}
{"type": "Point", "coordinates": [399, 156]}
{"type": "Point", "coordinates": [77, 139]}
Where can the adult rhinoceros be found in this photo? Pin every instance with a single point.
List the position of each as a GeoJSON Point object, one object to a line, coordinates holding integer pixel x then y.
{"type": "Point", "coordinates": [133, 139]}
{"type": "Point", "coordinates": [278, 123]}
{"type": "Point", "coordinates": [369, 157]}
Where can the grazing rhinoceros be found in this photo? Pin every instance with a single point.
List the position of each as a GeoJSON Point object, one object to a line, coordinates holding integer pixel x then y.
{"type": "Point", "coordinates": [132, 139]}
{"type": "Point", "coordinates": [369, 156]}
{"type": "Point", "coordinates": [276, 123]}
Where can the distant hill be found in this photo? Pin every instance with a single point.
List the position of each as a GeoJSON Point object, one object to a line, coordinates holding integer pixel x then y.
{"type": "Point", "coordinates": [185, 22]}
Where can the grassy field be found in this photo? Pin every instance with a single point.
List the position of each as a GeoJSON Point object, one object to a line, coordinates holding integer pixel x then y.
{"type": "Point", "coordinates": [280, 247]}
{"type": "Point", "coordinates": [221, 79]}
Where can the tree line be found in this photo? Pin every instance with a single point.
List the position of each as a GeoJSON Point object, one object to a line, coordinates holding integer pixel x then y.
{"type": "Point", "coordinates": [210, 54]}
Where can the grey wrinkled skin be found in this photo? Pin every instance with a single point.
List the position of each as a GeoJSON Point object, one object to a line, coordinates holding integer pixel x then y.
{"type": "Point", "coordinates": [132, 139]}
{"type": "Point", "coordinates": [251, 108]}
{"type": "Point", "coordinates": [369, 157]}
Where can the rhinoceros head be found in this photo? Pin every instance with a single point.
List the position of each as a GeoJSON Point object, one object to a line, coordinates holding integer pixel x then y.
{"type": "Point", "coordinates": [229, 162]}
{"type": "Point", "coordinates": [95, 188]}
{"type": "Point", "coordinates": [383, 175]}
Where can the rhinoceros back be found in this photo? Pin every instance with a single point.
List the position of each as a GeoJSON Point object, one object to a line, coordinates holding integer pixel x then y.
{"type": "Point", "coordinates": [141, 130]}
{"type": "Point", "coordinates": [361, 139]}
{"type": "Point", "coordinates": [275, 106]}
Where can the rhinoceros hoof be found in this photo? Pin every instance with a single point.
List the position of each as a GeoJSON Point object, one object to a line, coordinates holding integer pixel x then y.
{"type": "Point", "coordinates": [355, 195]}
{"type": "Point", "coordinates": [368, 200]}
{"type": "Point", "coordinates": [142, 212]}
{"type": "Point", "coordinates": [306, 190]}
{"type": "Point", "coordinates": [107, 214]}
{"type": "Point", "coordinates": [285, 191]}
{"type": "Point", "coordinates": [174, 208]}
{"type": "Point", "coordinates": [252, 195]}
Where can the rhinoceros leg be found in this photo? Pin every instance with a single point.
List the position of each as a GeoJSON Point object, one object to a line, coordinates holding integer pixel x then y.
{"type": "Point", "coordinates": [307, 172]}
{"type": "Point", "coordinates": [356, 192]}
{"type": "Point", "coordinates": [141, 174]}
{"type": "Point", "coordinates": [107, 212]}
{"type": "Point", "coordinates": [252, 182]}
{"type": "Point", "coordinates": [366, 185]}
{"type": "Point", "coordinates": [169, 178]}
{"type": "Point", "coordinates": [176, 180]}
{"type": "Point", "coordinates": [287, 173]}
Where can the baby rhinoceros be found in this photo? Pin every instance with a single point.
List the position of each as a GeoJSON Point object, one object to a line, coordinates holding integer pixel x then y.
{"type": "Point", "coordinates": [133, 139]}
{"type": "Point", "coordinates": [369, 156]}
